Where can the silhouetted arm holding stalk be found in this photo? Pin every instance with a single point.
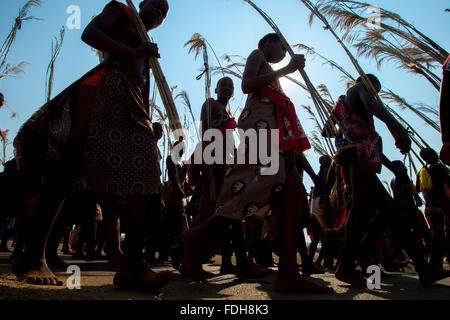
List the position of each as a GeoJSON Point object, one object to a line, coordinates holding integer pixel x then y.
{"type": "Point", "coordinates": [253, 81]}
{"type": "Point", "coordinates": [303, 163]}
{"type": "Point", "coordinates": [98, 34]}
{"type": "Point", "coordinates": [400, 134]}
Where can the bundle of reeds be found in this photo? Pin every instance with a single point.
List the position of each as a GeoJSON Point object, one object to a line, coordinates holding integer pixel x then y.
{"type": "Point", "coordinates": [49, 77]}
{"type": "Point", "coordinates": [393, 38]}
{"type": "Point", "coordinates": [387, 94]}
{"type": "Point", "coordinates": [23, 16]}
{"type": "Point", "coordinates": [316, 12]}
{"type": "Point", "coordinates": [164, 89]}
{"type": "Point", "coordinates": [323, 110]}
{"type": "Point", "coordinates": [198, 43]}
{"type": "Point", "coordinates": [355, 63]}
{"type": "Point", "coordinates": [187, 102]}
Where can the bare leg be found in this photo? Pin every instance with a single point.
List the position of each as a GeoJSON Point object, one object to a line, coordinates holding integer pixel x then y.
{"type": "Point", "coordinates": [32, 266]}
{"type": "Point", "coordinates": [245, 268]}
{"type": "Point", "coordinates": [288, 279]}
{"type": "Point", "coordinates": [112, 211]}
{"type": "Point", "coordinates": [194, 241]}
{"type": "Point", "coordinates": [346, 270]}
{"type": "Point", "coordinates": [308, 266]}
{"type": "Point", "coordinates": [53, 260]}
{"type": "Point", "coordinates": [134, 273]}
{"type": "Point", "coordinates": [412, 244]}
{"type": "Point", "coordinates": [226, 250]}
{"type": "Point", "coordinates": [438, 240]}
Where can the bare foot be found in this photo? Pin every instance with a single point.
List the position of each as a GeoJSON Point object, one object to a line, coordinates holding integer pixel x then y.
{"type": "Point", "coordinates": [429, 277]}
{"type": "Point", "coordinates": [354, 278]}
{"type": "Point", "coordinates": [251, 271]}
{"type": "Point", "coordinates": [34, 272]}
{"type": "Point", "coordinates": [312, 268]}
{"type": "Point", "coordinates": [298, 284]}
{"type": "Point", "coordinates": [140, 277]}
{"type": "Point", "coordinates": [192, 258]}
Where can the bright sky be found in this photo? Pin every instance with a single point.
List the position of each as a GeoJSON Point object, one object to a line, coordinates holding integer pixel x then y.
{"type": "Point", "coordinates": [232, 27]}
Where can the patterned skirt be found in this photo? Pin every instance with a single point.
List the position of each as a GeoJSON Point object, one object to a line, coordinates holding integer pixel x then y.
{"type": "Point", "coordinates": [121, 155]}
{"type": "Point", "coordinates": [245, 192]}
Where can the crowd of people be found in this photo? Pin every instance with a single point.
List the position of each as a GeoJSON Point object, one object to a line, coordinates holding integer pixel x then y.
{"type": "Point", "coordinates": [83, 183]}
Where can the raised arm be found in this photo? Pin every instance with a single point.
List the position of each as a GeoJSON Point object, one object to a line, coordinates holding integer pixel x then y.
{"type": "Point", "coordinates": [400, 134]}
{"type": "Point", "coordinates": [303, 163]}
{"type": "Point", "coordinates": [252, 80]}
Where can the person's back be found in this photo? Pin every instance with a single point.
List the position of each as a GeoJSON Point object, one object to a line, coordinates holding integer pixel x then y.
{"type": "Point", "coordinates": [354, 103]}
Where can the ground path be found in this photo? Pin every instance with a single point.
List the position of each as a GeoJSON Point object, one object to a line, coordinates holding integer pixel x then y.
{"type": "Point", "coordinates": [96, 284]}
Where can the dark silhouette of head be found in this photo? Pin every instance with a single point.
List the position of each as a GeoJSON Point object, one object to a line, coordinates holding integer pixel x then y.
{"type": "Point", "coordinates": [429, 155]}
{"type": "Point", "coordinates": [272, 47]}
{"type": "Point", "coordinates": [375, 82]}
{"type": "Point", "coordinates": [399, 164]}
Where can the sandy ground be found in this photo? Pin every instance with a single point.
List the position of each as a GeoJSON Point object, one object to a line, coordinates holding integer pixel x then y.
{"type": "Point", "coordinates": [96, 284]}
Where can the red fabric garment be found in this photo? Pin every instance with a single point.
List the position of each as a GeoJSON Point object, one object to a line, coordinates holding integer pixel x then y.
{"type": "Point", "coordinates": [230, 124]}
{"type": "Point", "coordinates": [126, 9]}
{"type": "Point", "coordinates": [446, 65]}
{"type": "Point", "coordinates": [368, 143]}
{"type": "Point", "coordinates": [292, 135]}
{"type": "Point", "coordinates": [338, 205]}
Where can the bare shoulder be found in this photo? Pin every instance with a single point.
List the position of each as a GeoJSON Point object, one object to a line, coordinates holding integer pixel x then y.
{"type": "Point", "coordinates": [354, 90]}
{"type": "Point", "coordinates": [256, 55]}
{"type": "Point", "coordinates": [209, 102]}
{"type": "Point", "coordinates": [112, 11]}
{"type": "Point", "coordinates": [208, 105]}
{"type": "Point", "coordinates": [111, 17]}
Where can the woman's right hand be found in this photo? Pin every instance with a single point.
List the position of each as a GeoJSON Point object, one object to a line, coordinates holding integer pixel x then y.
{"type": "Point", "coordinates": [146, 50]}
{"type": "Point", "coordinates": [297, 62]}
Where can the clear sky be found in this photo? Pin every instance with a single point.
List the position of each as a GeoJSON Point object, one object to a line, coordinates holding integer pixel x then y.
{"type": "Point", "coordinates": [232, 27]}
